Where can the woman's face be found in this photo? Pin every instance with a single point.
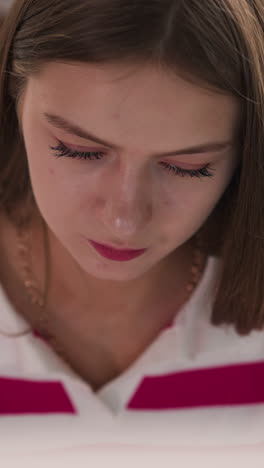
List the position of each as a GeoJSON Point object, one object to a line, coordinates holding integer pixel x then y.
{"type": "Point", "coordinates": [130, 194]}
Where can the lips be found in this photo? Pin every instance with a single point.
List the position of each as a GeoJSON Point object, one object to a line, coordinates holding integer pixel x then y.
{"type": "Point", "coordinates": [116, 254]}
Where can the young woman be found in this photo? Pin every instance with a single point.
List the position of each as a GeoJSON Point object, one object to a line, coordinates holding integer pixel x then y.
{"type": "Point", "coordinates": [132, 221]}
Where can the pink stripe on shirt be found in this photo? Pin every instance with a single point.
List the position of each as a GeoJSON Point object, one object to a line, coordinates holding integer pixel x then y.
{"type": "Point", "coordinates": [20, 396]}
{"type": "Point", "coordinates": [237, 384]}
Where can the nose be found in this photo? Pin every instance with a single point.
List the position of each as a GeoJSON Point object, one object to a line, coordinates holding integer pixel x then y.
{"type": "Point", "coordinates": [126, 205]}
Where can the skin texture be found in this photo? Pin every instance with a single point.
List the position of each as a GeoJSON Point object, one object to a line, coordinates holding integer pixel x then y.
{"type": "Point", "coordinates": [127, 196]}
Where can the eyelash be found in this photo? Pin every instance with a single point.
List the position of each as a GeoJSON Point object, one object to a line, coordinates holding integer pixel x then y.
{"type": "Point", "coordinates": [65, 151]}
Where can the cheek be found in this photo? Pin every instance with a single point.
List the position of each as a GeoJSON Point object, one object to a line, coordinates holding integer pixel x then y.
{"type": "Point", "coordinates": [50, 185]}
{"type": "Point", "coordinates": [190, 206]}
{"type": "Point", "coordinates": [51, 177]}
{"type": "Point", "coordinates": [57, 194]}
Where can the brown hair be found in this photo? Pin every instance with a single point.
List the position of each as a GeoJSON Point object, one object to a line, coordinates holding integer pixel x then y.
{"type": "Point", "coordinates": [1, 18]}
{"type": "Point", "coordinates": [218, 44]}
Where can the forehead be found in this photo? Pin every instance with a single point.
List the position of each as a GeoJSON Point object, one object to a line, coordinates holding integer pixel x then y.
{"type": "Point", "coordinates": [134, 97]}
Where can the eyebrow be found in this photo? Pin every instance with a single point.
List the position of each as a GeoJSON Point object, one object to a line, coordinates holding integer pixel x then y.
{"type": "Point", "coordinates": [70, 128]}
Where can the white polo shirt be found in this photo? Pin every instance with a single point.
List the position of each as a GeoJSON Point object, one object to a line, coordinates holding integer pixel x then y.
{"type": "Point", "coordinates": [196, 386]}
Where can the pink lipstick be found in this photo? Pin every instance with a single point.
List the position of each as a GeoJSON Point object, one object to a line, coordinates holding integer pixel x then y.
{"type": "Point", "coordinates": [114, 254]}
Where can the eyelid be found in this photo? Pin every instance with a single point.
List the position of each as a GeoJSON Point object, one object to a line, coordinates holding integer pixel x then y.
{"type": "Point", "coordinates": [183, 164]}
{"type": "Point", "coordinates": [81, 149]}
{"type": "Point", "coordinates": [187, 165]}
{"type": "Point", "coordinates": [65, 151]}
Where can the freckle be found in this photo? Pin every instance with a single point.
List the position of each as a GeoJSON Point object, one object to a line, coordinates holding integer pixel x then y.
{"type": "Point", "coordinates": [51, 171]}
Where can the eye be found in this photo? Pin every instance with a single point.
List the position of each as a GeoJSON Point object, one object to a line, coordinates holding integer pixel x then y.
{"type": "Point", "coordinates": [203, 172]}
{"type": "Point", "coordinates": [62, 151]}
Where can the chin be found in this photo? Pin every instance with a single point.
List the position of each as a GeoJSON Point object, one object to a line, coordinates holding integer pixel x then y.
{"type": "Point", "coordinates": [114, 271]}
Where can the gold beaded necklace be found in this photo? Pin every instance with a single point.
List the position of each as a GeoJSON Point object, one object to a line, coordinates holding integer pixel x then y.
{"type": "Point", "coordinates": [40, 299]}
